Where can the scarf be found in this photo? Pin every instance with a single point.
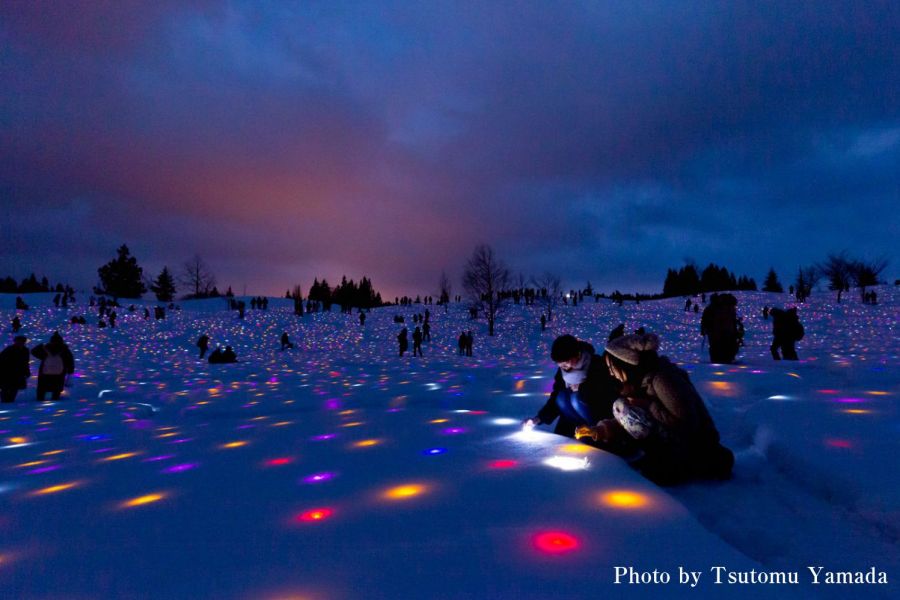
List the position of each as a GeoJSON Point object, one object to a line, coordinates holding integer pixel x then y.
{"type": "Point", "coordinates": [577, 375]}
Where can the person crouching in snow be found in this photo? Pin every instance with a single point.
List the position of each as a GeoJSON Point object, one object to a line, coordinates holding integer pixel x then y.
{"type": "Point", "coordinates": [583, 390]}
{"type": "Point", "coordinates": [56, 363]}
{"type": "Point", "coordinates": [662, 412]}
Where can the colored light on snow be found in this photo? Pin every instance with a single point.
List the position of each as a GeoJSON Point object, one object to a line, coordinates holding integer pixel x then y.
{"type": "Point", "coordinates": [567, 463]}
{"type": "Point", "coordinates": [121, 456]}
{"type": "Point", "coordinates": [504, 421]}
{"type": "Point", "coordinates": [781, 397]}
{"type": "Point", "coordinates": [576, 448]}
{"type": "Point", "coordinates": [319, 477]}
{"type": "Point", "coordinates": [454, 430]}
{"type": "Point", "coordinates": [520, 385]}
{"type": "Point", "coordinates": [181, 468]}
{"type": "Point", "coordinates": [323, 437]}
{"type": "Point", "coordinates": [624, 499]}
{"type": "Point", "coordinates": [436, 421]}
{"type": "Point", "coordinates": [405, 491]}
{"type": "Point", "coordinates": [857, 411]}
{"type": "Point", "coordinates": [18, 440]}
{"type": "Point", "coordinates": [434, 451]}
{"type": "Point", "coordinates": [849, 400]}
{"type": "Point", "coordinates": [838, 443]}
{"type": "Point", "coordinates": [279, 462]}
{"type": "Point", "coordinates": [40, 470]}
{"type": "Point", "coordinates": [142, 500]}
{"type": "Point", "coordinates": [878, 393]}
{"type": "Point", "coordinates": [556, 542]}
{"type": "Point", "coordinates": [316, 514]}
{"type": "Point", "coordinates": [503, 464]}
{"type": "Point", "coordinates": [353, 424]}
{"type": "Point", "coordinates": [366, 443]}
{"type": "Point", "coordinates": [53, 489]}
{"type": "Point", "coordinates": [237, 444]}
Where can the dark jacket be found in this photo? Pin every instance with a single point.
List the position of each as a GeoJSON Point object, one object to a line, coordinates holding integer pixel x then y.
{"type": "Point", "coordinates": [590, 404]}
{"type": "Point", "coordinates": [42, 351]}
{"type": "Point", "coordinates": [14, 368]}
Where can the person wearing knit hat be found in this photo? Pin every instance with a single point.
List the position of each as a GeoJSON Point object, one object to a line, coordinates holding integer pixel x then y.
{"type": "Point", "coordinates": [661, 412]}
{"type": "Point", "coordinates": [583, 390]}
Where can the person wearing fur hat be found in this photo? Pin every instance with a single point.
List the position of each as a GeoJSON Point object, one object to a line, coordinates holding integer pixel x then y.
{"type": "Point", "coordinates": [661, 411]}
{"type": "Point", "coordinates": [56, 363]}
{"type": "Point", "coordinates": [583, 390]}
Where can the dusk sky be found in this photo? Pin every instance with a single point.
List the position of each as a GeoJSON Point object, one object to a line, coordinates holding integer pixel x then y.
{"type": "Point", "coordinates": [604, 141]}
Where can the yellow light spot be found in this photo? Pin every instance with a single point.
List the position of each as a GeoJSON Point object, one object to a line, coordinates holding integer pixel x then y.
{"type": "Point", "coordinates": [720, 385]}
{"type": "Point", "coordinates": [18, 440]}
{"type": "Point", "coordinates": [282, 423]}
{"type": "Point", "coordinates": [858, 411]}
{"type": "Point", "coordinates": [54, 489]}
{"type": "Point", "coordinates": [33, 463]}
{"type": "Point", "coordinates": [165, 435]}
{"type": "Point", "coordinates": [52, 452]}
{"type": "Point", "coordinates": [405, 491]}
{"type": "Point", "coordinates": [349, 411]}
{"type": "Point", "coordinates": [366, 443]}
{"type": "Point", "coordinates": [624, 499]}
{"type": "Point", "coordinates": [575, 448]}
{"type": "Point", "coordinates": [141, 500]}
{"type": "Point", "coordinates": [436, 421]}
{"type": "Point", "coordinates": [237, 444]}
{"type": "Point", "coordinates": [795, 375]}
{"type": "Point", "coordinates": [878, 393]}
{"type": "Point", "coordinates": [520, 385]}
{"type": "Point", "coordinates": [122, 456]}
{"type": "Point", "coordinates": [718, 373]}
{"type": "Point", "coordinates": [353, 424]}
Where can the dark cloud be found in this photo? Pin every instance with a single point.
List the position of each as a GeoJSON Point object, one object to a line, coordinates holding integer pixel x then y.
{"type": "Point", "coordinates": [604, 141]}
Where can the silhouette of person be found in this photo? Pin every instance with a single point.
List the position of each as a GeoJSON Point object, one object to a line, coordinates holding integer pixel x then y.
{"type": "Point", "coordinates": [14, 369]}
{"type": "Point", "coordinates": [787, 331]}
{"type": "Point", "coordinates": [56, 363]}
{"type": "Point", "coordinates": [462, 343]}
{"type": "Point", "coordinates": [417, 342]}
{"type": "Point", "coordinates": [203, 344]}
{"type": "Point", "coordinates": [286, 341]}
{"type": "Point", "coordinates": [403, 341]}
{"type": "Point", "coordinates": [16, 324]}
{"type": "Point", "coordinates": [426, 331]}
{"type": "Point", "coordinates": [543, 322]}
{"type": "Point", "coordinates": [469, 341]}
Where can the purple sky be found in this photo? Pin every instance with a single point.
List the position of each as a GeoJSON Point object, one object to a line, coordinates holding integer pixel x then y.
{"type": "Point", "coordinates": [604, 141]}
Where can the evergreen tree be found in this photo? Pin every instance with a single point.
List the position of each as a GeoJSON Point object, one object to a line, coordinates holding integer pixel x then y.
{"type": "Point", "coordinates": [164, 286]}
{"type": "Point", "coordinates": [771, 284]}
{"type": "Point", "coordinates": [121, 277]}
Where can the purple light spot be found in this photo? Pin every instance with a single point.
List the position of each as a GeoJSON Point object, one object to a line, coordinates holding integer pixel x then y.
{"type": "Point", "coordinates": [323, 437]}
{"type": "Point", "coordinates": [43, 470]}
{"type": "Point", "coordinates": [332, 404]}
{"type": "Point", "coordinates": [319, 477]}
{"type": "Point", "coordinates": [454, 430]}
{"type": "Point", "coordinates": [180, 468]}
{"type": "Point", "coordinates": [157, 458]}
{"type": "Point", "coordinates": [246, 426]}
{"type": "Point", "coordinates": [182, 441]}
{"type": "Point", "coordinates": [849, 400]}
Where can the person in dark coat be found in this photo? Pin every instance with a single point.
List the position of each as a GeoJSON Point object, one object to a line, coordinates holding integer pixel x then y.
{"type": "Point", "coordinates": [57, 363]}
{"type": "Point", "coordinates": [543, 322]}
{"type": "Point", "coordinates": [661, 412]}
{"type": "Point", "coordinates": [203, 344]}
{"type": "Point", "coordinates": [719, 325]}
{"type": "Point", "coordinates": [16, 324]}
{"type": "Point", "coordinates": [470, 340]}
{"type": "Point", "coordinates": [403, 341]}
{"type": "Point", "coordinates": [583, 390]}
{"type": "Point", "coordinates": [787, 331]}
{"type": "Point", "coordinates": [215, 357]}
{"type": "Point", "coordinates": [229, 356]}
{"type": "Point", "coordinates": [426, 331]}
{"type": "Point", "coordinates": [462, 343]}
{"type": "Point", "coordinates": [417, 342]}
{"type": "Point", "coordinates": [14, 369]}
{"type": "Point", "coordinates": [286, 341]}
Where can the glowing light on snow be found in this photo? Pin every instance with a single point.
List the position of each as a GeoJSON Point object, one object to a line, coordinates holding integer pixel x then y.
{"type": "Point", "coordinates": [181, 468]}
{"type": "Point", "coordinates": [838, 443]}
{"type": "Point", "coordinates": [121, 456]}
{"type": "Point", "coordinates": [434, 451]}
{"type": "Point", "coordinates": [556, 542]}
{"type": "Point", "coordinates": [849, 400]}
{"type": "Point", "coordinates": [403, 492]}
{"type": "Point", "coordinates": [567, 463]}
{"type": "Point", "coordinates": [279, 462]}
{"type": "Point", "coordinates": [319, 477]}
{"type": "Point", "coordinates": [625, 499]}
{"type": "Point", "coordinates": [576, 448]}
{"type": "Point", "coordinates": [323, 437]}
{"type": "Point", "coordinates": [503, 464]}
{"type": "Point", "coordinates": [504, 421]}
{"type": "Point", "coordinates": [527, 435]}
{"type": "Point", "coordinates": [436, 421]}
{"type": "Point", "coordinates": [18, 440]}
{"type": "Point", "coordinates": [781, 397]}
{"type": "Point", "coordinates": [857, 411]}
{"type": "Point", "coordinates": [53, 489]}
{"type": "Point", "coordinates": [237, 444]}
{"type": "Point", "coordinates": [316, 514]}
{"type": "Point", "coordinates": [454, 430]}
{"type": "Point", "coordinates": [142, 500]}
{"type": "Point", "coordinates": [366, 443]}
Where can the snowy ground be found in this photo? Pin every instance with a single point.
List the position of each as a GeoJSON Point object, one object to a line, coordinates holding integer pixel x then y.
{"type": "Point", "coordinates": [338, 470]}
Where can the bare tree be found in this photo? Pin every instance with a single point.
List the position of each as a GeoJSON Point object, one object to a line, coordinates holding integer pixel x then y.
{"type": "Point", "coordinates": [838, 269]}
{"type": "Point", "coordinates": [866, 273]}
{"type": "Point", "coordinates": [446, 288]}
{"type": "Point", "coordinates": [484, 279]}
{"type": "Point", "coordinates": [197, 276]}
{"type": "Point", "coordinates": [807, 278]}
{"type": "Point", "coordinates": [549, 292]}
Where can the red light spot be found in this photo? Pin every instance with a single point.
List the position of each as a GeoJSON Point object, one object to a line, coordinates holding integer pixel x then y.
{"type": "Point", "coordinates": [836, 443]}
{"type": "Point", "coordinates": [503, 464]}
{"type": "Point", "coordinates": [556, 542]}
{"type": "Point", "coordinates": [316, 514]}
{"type": "Point", "coordinates": [279, 462]}
{"type": "Point", "coordinates": [828, 391]}
{"type": "Point", "coordinates": [477, 412]}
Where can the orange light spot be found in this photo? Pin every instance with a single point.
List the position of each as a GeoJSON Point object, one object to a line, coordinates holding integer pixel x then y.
{"type": "Point", "coordinates": [436, 421]}
{"type": "Point", "coordinates": [624, 499]}
{"type": "Point", "coordinates": [122, 456]}
{"type": "Point", "coordinates": [142, 500]}
{"type": "Point", "coordinates": [403, 492]}
{"type": "Point", "coordinates": [353, 424]}
{"type": "Point", "coordinates": [366, 443]}
{"type": "Point", "coordinates": [317, 514]}
{"type": "Point", "coordinates": [18, 440]}
{"type": "Point", "coordinates": [520, 385]}
{"type": "Point", "coordinates": [54, 489]}
{"type": "Point", "coordinates": [575, 448]}
{"type": "Point", "coordinates": [237, 444]}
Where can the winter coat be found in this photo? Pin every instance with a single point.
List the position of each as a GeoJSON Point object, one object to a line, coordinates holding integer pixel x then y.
{"type": "Point", "coordinates": [14, 367]}
{"type": "Point", "coordinates": [53, 382]}
{"type": "Point", "coordinates": [786, 325]}
{"type": "Point", "coordinates": [590, 404]}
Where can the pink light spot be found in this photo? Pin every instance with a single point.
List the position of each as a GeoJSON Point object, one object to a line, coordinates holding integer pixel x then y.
{"type": "Point", "coordinates": [838, 443]}
{"type": "Point", "coordinates": [556, 542]}
{"type": "Point", "coordinates": [279, 462]}
{"type": "Point", "coordinates": [503, 464]}
{"type": "Point", "coordinates": [316, 514]}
